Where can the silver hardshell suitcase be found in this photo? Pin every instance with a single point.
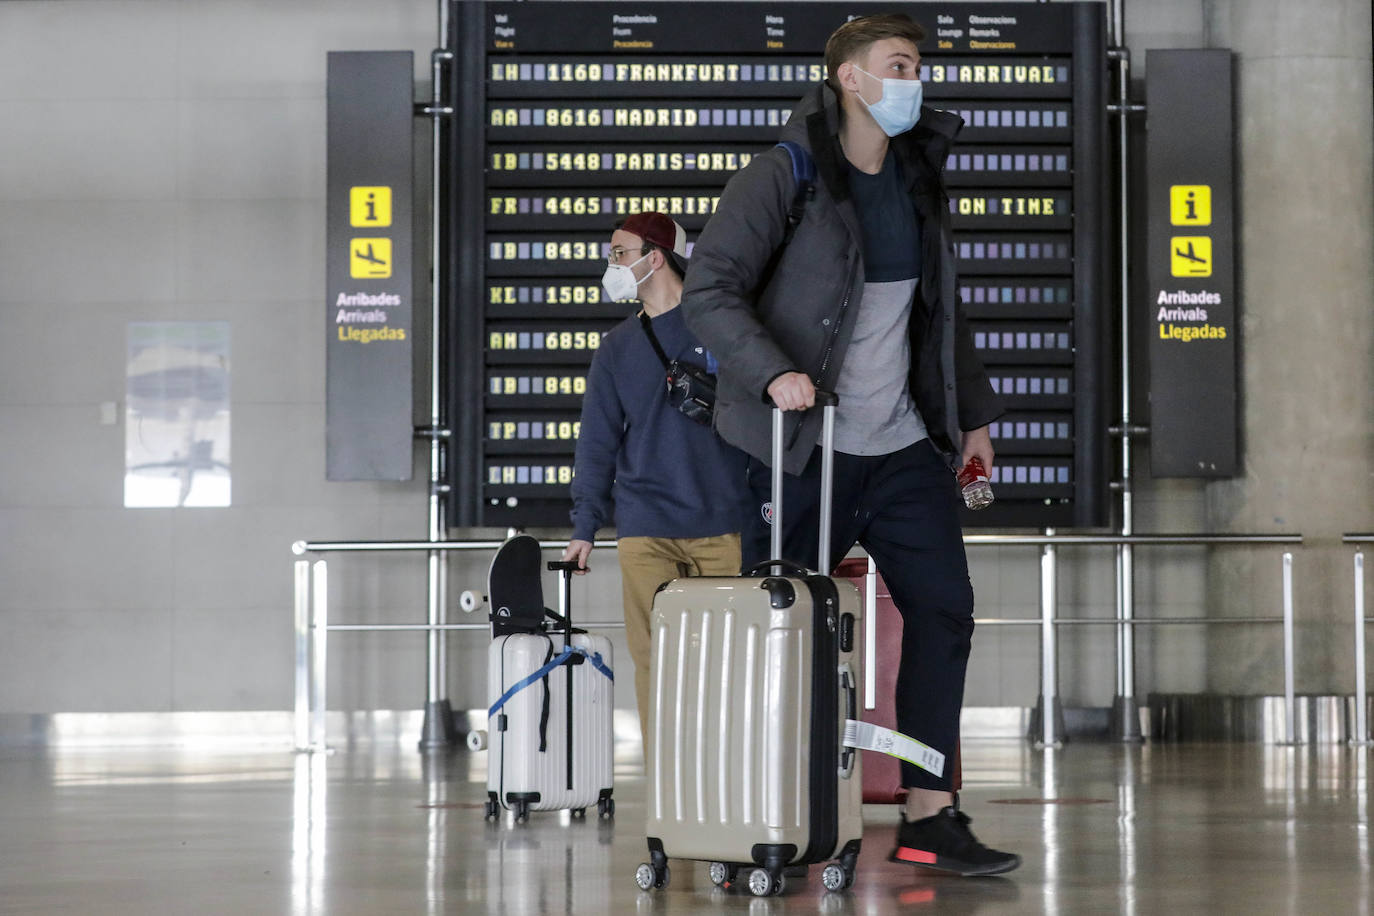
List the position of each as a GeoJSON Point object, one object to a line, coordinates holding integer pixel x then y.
{"type": "Point", "coordinates": [752, 679]}
{"type": "Point", "coordinates": [554, 756]}
{"type": "Point", "coordinates": [551, 697]}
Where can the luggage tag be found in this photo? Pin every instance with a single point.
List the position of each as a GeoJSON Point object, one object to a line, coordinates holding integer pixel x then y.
{"type": "Point", "coordinates": [869, 737]}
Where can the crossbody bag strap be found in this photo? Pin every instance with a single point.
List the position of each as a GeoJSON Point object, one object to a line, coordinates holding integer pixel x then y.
{"type": "Point", "coordinates": [646, 323]}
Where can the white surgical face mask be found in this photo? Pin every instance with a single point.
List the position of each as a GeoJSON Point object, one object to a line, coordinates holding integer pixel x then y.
{"type": "Point", "coordinates": [900, 107]}
{"type": "Point", "coordinates": [619, 280]}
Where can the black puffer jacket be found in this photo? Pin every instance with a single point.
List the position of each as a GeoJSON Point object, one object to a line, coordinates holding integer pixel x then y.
{"type": "Point", "coordinates": [804, 318]}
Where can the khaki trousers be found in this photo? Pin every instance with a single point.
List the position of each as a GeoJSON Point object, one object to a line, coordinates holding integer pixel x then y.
{"type": "Point", "coordinates": [645, 564]}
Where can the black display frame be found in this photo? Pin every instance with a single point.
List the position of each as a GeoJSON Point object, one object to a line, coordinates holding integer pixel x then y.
{"type": "Point", "coordinates": [1067, 38]}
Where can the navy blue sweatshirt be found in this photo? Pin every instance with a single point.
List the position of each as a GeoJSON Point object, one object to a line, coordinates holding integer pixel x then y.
{"type": "Point", "coordinates": [670, 476]}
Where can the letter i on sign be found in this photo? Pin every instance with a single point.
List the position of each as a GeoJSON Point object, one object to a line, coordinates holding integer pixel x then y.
{"type": "Point", "coordinates": [1190, 205]}
{"type": "Point", "coordinates": [369, 205]}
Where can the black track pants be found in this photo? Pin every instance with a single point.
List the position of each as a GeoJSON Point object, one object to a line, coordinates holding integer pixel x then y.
{"type": "Point", "coordinates": [903, 509]}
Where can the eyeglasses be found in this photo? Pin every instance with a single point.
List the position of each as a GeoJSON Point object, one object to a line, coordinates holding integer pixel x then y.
{"type": "Point", "coordinates": [617, 252]}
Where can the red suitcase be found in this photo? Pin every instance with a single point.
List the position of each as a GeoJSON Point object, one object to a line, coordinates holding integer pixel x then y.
{"type": "Point", "coordinates": [882, 647]}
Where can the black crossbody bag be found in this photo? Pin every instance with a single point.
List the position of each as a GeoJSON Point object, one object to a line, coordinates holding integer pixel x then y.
{"type": "Point", "coordinates": [691, 389]}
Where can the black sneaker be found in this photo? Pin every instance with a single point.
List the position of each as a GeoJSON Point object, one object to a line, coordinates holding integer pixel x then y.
{"type": "Point", "coordinates": [944, 842]}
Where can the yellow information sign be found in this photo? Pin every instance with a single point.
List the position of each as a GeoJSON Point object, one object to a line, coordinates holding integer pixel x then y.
{"type": "Point", "coordinates": [369, 259]}
{"type": "Point", "coordinates": [1190, 255]}
{"type": "Point", "coordinates": [369, 206]}
{"type": "Point", "coordinates": [1190, 205]}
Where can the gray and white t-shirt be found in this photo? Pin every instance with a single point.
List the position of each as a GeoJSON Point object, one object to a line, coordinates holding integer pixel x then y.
{"type": "Point", "coordinates": [876, 414]}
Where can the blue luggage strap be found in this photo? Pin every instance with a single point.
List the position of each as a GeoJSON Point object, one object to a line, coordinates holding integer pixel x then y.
{"type": "Point", "coordinates": [594, 658]}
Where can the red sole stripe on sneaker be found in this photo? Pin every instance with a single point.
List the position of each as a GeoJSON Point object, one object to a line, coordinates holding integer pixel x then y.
{"type": "Point", "coordinates": [919, 856]}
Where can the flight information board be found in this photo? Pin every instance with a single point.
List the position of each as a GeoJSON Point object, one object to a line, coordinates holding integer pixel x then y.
{"type": "Point", "coordinates": [572, 116]}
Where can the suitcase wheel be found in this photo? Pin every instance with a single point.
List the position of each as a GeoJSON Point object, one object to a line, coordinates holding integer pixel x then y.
{"type": "Point", "coordinates": [522, 812]}
{"type": "Point", "coordinates": [606, 808]}
{"type": "Point", "coordinates": [763, 883]}
{"type": "Point", "coordinates": [493, 809]}
{"type": "Point", "coordinates": [723, 874]}
{"type": "Point", "coordinates": [648, 878]}
{"type": "Point", "coordinates": [848, 864]}
{"type": "Point", "coordinates": [579, 814]}
{"type": "Point", "coordinates": [835, 878]}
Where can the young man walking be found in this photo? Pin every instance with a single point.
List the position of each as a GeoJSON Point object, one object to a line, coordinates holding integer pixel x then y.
{"type": "Point", "coordinates": [862, 301]}
{"type": "Point", "coordinates": [677, 488]}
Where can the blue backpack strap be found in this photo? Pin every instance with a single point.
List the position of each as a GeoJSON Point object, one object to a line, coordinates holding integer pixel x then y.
{"type": "Point", "coordinates": [803, 167]}
{"type": "Point", "coordinates": [804, 177]}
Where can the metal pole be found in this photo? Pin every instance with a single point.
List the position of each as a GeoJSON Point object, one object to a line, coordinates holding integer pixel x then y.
{"type": "Point", "coordinates": [1144, 540]}
{"type": "Point", "coordinates": [823, 561]}
{"type": "Point", "coordinates": [302, 720]}
{"type": "Point", "coordinates": [775, 538]}
{"type": "Point", "coordinates": [1361, 694]}
{"type": "Point", "coordinates": [301, 548]}
{"type": "Point", "coordinates": [319, 658]}
{"type": "Point", "coordinates": [565, 610]}
{"type": "Point", "coordinates": [1289, 699]}
{"type": "Point", "coordinates": [413, 627]}
{"type": "Point", "coordinates": [871, 636]}
{"type": "Point", "coordinates": [1050, 733]}
{"type": "Point", "coordinates": [438, 731]}
{"type": "Point", "coordinates": [1126, 718]}
{"type": "Point", "coordinates": [1101, 621]}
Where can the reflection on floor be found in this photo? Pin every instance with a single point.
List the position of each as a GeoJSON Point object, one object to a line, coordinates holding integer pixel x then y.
{"type": "Point", "coordinates": [1102, 828]}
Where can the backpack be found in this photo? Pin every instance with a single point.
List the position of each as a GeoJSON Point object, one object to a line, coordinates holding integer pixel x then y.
{"type": "Point", "coordinates": [804, 176]}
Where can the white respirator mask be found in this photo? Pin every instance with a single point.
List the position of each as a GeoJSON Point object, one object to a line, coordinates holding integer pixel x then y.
{"type": "Point", "coordinates": [619, 280]}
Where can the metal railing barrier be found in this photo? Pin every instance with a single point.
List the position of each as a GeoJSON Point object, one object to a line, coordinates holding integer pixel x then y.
{"type": "Point", "coordinates": [1361, 735]}
{"type": "Point", "coordinates": [1047, 719]}
{"type": "Point", "coordinates": [313, 626]}
{"type": "Point", "coordinates": [312, 617]}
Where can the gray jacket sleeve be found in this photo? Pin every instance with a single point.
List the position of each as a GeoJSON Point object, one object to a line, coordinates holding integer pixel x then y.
{"type": "Point", "coordinates": [727, 263]}
{"type": "Point", "coordinates": [978, 404]}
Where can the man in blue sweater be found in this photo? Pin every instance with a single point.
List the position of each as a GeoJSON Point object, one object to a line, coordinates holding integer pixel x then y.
{"type": "Point", "coordinates": [678, 488]}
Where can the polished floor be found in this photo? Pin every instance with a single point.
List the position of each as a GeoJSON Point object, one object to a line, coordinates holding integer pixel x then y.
{"type": "Point", "coordinates": [1103, 828]}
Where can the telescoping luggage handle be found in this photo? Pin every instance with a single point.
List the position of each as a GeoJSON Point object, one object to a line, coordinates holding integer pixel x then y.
{"type": "Point", "coordinates": [828, 401]}
{"type": "Point", "coordinates": [565, 568]}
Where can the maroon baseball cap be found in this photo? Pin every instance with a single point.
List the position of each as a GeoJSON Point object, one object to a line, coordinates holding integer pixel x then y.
{"type": "Point", "coordinates": [661, 230]}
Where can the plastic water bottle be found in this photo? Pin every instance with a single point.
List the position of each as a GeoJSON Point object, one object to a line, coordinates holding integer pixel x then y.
{"type": "Point", "coordinates": [973, 482]}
